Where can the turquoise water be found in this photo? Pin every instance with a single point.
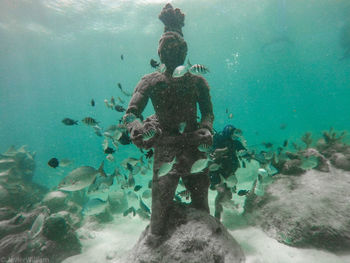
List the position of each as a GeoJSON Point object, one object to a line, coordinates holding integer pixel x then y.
{"type": "Point", "coordinates": [275, 65]}
{"type": "Point", "coordinates": [271, 63]}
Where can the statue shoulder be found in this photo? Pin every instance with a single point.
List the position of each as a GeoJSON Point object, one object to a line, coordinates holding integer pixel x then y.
{"type": "Point", "coordinates": [148, 81]}
{"type": "Point", "coordinates": [201, 82]}
{"type": "Point", "coordinates": [153, 78]}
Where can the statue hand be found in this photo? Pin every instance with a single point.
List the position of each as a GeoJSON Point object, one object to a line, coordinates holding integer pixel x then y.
{"type": "Point", "coordinates": [136, 136]}
{"type": "Point", "coordinates": [150, 135]}
{"type": "Point", "coordinates": [203, 136]}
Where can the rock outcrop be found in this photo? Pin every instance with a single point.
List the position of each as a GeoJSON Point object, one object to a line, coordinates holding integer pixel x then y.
{"type": "Point", "coordinates": [192, 236]}
{"type": "Point", "coordinates": [32, 226]}
{"type": "Point", "coordinates": [310, 210]}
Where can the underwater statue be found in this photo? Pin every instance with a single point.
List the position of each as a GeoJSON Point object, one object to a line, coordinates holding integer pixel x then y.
{"type": "Point", "coordinates": [173, 131]}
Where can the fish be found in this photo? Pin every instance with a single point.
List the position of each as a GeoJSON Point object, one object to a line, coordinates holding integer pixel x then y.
{"type": "Point", "coordinates": [143, 206]}
{"type": "Point", "coordinates": [309, 162]}
{"type": "Point", "coordinates": [267, 144]}
{"type": "Point", "coordinates": [102, 184]}
{"type": "Point", "coordinates": [131, 180]}
{"type": "Point", "coordinates": [283, 126]}
{"type": "Point", "coordinates": [53, 162]}
{"type": "Point", "coordinates": [226, 110]}
{"type": "Point", "coordinates": [6, 173]}
{"type": "Point", "coordinates": [137, 187]}
{"type": "Point", "coordinates": [89, 121]}
{"type": "Point", "coordinates": [92, 102]}
{"type": "Point", "coordinates": [149, 154]}
{"type": "Point", "coordinates": [98, 130]}
{"type": "Point", "coordinates": [220, 152]}
{"type": "Point", "coordinates": [119, 108]}
{"type": "Point", "coordinates": [244, 164]}
{"type": "Point", "coordinates": [122, 57]}
{"type": "Point", "coordinates": [182, 127]}
{"type": "Point", "coordinates": [129, 167]}
{"type": "Point", "coordinates": [166, 167]}
{"type": "Point", "coordinates": [112, 102]}
{"type": "Point", "coordinates": [199, 165]}
{"type": "Point", "coordinates": [204, 148]}
{"type": "Point", "coordinates": [108, 105]}
{"type": "Point", "coordinates": [69, 122]}
{"type": "Point", "coordinates": [154, 64]}
{"type": "Point", "coordinates": [121, 100]}
{"type": "Point", "coordinates": [109, 150]}
{"type": "Point", "coordinates": [148, 134]}
{"type": "Point", "coordinates": [214, 167]}
{"type": "Point", "coordinates": [123, 91]}
{"type": "Point", "coordinates": [131, 161]}
{"type": "Point", "coordinates": [285, 143]}
{"type": "Point", "coordinates": [117, 135]}
{"type": "Point", "coordinates": [120, 86]}
{"type": "Point", "coordinates": [80, 178]}
{"type": "Point", "coordinates": [147, 194]}
{"type": "Point", "coordinates": [234, 189]}
{"type": "Point", "coordinates": [37, 226]}
{"type": "Point", "coordinates": [162, 68]}
{"type": "Point", "coordinates": [180, 71]}
{"type": "Point", "coordinates": [177, 198]}
{"type": "Point", "coordinates": [105, 144]}
{"type": "Point", "coordinates": [198, 69]}
{"type": "Point", "coordinates": [124, 139]}
{"type": "Point", "coordinates": [150, 182]}
{"type": "Point", "coordinates": [230, 116]}
{"type": "Point", "coordinates": [65, 162]}
{"type": "Point", "coordinates": [262, 172]}
{"type": "Point", "coordinates": [129, 210]}
{"type": "Point", "coordinates": [110, 157]}
{"type": "Point", "coordinates": [185, 193]}
{"type": "Point", "coordinates": [242, 192]}
{"type": "Point", "coordinates": [94, 206]}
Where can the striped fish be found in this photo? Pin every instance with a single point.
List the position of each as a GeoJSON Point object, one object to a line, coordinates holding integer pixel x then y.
{"type": "Point", "coordinates": [198, 69]}
{"type": "Point", "coordinates": [90, 121]}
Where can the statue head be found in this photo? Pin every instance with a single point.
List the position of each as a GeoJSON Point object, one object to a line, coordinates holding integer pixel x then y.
{"type": "Point", "coordinates": [172, 50]}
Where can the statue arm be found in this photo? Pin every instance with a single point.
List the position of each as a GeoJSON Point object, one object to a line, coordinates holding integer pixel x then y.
{"type": "Point", "coordinates": [205, 106]}
{"type": "Point", "coordinates": [136, 106]}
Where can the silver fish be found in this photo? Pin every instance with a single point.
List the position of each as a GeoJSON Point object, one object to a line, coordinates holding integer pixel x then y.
{"type": "Point", "coordinates": [147, 194]}
{"type": "Point", "coordinates": [94, 206]}
{"type": "Point", "coordinates": [180, 71]}
{"type": "Point", "coordinates": [309, 163]}
{"type": "Point", "coordinates": [165, 168]}
{"type": "Point", "coordinates": [110, 157]}
{"type": "Point", "coordinates": [105, 144]}
{"type": "Point", "coordinates": [80, 178]}
{"type": "Point", "coordinates": [132, 161]}
{"type": "Point", "coordinates": [214, 167]}
{"type": "Point", "coordinates": [37, 226]}
{"type": "Point", "coordinates": [199, 165]}
{"type": "Point", "coordinates": [65, 162]}
{"type": "Point", "coordinates": [161, 68]}
{"type": "Point", "coordinates": [143, 206]}
{"type": "Point", "coordinates": [182, 127]}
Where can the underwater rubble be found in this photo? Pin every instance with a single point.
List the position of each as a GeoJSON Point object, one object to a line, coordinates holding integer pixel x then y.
{"type": "Point", "coordinates": [307, 206]}
{"type": "Point", "coordinates": [32, 224]}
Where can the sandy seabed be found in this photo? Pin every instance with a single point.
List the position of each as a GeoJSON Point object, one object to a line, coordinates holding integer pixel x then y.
{"type": "Point", "coordinates": [110, 242]}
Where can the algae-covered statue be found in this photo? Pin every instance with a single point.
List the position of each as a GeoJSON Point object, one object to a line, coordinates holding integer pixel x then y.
{"type": "Point", "coordinates": [173, 131]}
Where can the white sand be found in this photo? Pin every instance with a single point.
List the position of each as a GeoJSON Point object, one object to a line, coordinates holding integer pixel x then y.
{"type": "Point", "coordinates": [107, 243]}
